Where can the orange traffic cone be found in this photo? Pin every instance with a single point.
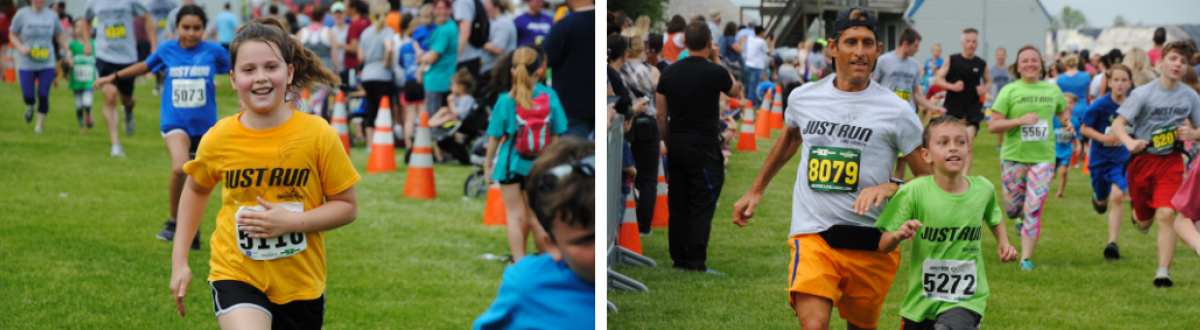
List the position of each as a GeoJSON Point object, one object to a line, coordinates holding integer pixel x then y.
{"type": "Point", "coordinates": [10, 68]}
{"type": "Point", "coordinates": [419, 183]}
{"type": "Point", "coordinates": [1087, 159]}
{"type": "Point", "coordinates": [777, 109]}
{"type": "Point", "coordinates": [339, 120]}
{"type": "Point", "coordinates": [628, 237]}
{"type": "Point", "coordinates": [662, 213]}
{"type": "Point", "coordinates": [1074, 159]}
{"type": "Point", "coordinates": [493, 213]}
{"type": "Point", "coordinates": [746, 138]}
{"type": "Point", "coordinates": [762, 128]}
{"type": "Point", "coordinates": [383, 143]}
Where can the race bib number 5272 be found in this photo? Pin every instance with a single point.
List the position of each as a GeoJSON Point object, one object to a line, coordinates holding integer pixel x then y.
{"type": "Point", "coordinates": [948, 280]}
{"type": "Point", "coordinates": [283, 246]}
{"type": "Point", "coordinates": [833, 169]}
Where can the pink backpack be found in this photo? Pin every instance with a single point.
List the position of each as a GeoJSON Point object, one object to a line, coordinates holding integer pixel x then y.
{"type": "Point", "coordinates": [534, 127]}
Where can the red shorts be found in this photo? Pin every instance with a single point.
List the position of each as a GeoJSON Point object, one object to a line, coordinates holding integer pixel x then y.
{"type": "Point", "coordinates": [1153, 181]}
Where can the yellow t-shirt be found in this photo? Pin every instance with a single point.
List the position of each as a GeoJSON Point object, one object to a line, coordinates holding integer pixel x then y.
{"type": "Point", "coordinates": [299, 161]}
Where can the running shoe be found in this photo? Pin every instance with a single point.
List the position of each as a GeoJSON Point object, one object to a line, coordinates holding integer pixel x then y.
{"type": "Point", "coordinates": [88, 119]}
{"type": "Point", "coordinates": [713, 272]}
{"type": "Point", "coordinates": [1162, 279]}
{"type": "Point", "coordinates": [129, 123]}
{"type": "Point", "coordinates": [37, 130]}
{"type": "Point", "coordinates": [1111, 251]}
{"type": "Point", "coordinates": [168, 232]}
{"type": "Point", "coordinates": [646, 234]}
{"type": "Point", "coordinates": [28, 113]}
{"type": "Point", "coordinates": [196, 242]}
{"type": "Point", "coordinates": [117, 151]}
{"type": "Point", "coordinates": [1100, 208]}
{"type": "Point", "coordinates": [1138, 227]}
{"type": "Point", "coordinates": [1027, 265]}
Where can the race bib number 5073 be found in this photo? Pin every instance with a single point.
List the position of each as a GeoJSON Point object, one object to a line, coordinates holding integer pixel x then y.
{"type": "Point", "coordinates": [833, 169]}
{"type": "Point", "coordinates": [283, 246]}
{"type": "Point", "coordinates": [949, 280]}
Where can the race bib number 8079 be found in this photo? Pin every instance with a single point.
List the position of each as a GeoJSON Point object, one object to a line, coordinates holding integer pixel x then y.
{"type": "Point", "coordinates": [833, 169]}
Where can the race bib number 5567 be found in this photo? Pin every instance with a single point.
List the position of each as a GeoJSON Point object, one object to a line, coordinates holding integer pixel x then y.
{"type": "Point", "coordinates": [283, 246]}
{"type": "Point", "coordinates": [833, 169]}
{"type": "Point", "coordinates": [948, 280]}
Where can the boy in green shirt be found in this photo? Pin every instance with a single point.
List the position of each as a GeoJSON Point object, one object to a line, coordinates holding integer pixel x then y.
{"type": "Point", "coordinates": [949, 288]}
{"type": "Point", "coordinates": [83, 72]}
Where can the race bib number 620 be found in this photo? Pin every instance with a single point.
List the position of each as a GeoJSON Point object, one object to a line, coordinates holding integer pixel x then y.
{"type": "Point", "coordinates": [1163, 138]}
{"type": "Point", "coordinates": [833, 169]}
{"type": "Point", "coordinates": [948, 280]}
{"type": "Point", "coordinates": [284, 246]}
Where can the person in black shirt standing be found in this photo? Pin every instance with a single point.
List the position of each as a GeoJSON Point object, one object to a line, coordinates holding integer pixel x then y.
{"type": "Point", "coordinates": [960, 76]}
{"type": "Point", "coordinates": [688, 102]}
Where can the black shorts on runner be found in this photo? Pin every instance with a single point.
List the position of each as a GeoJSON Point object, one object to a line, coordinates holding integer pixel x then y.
{"type": "Point", "coordinates": [300, 314]}
{"type": "Point", "coordinates": [143, 49]}
{"type": "Point", "coordinates": [957, 318]}
{"type": "Point", "coordinates": [972, 113]}
{"type": "Point", "coordinates": [124, 85]}
{"type": "Point", "coordinates": [516, 178]}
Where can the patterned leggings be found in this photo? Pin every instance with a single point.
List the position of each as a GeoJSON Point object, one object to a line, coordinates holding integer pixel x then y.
{"type": "Point", "coordinates": [1026, 186]}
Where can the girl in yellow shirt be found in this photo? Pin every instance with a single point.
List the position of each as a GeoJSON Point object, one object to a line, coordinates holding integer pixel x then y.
{"type": "Point", "coordinates": [285, 181]}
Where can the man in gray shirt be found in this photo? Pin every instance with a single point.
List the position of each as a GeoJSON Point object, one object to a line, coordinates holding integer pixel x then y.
{"type": "Point", "coordinates": [116, 49]}
{"type": "Point", "coordinates": [1157, 111]}
{"type": "Point", "coordinates": [502, 37]}
{"type": "Point", "coordinates": [468, 55]}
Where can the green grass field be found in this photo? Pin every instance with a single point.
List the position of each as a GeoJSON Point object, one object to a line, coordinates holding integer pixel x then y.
{"type": "Point", "coordinates": [77, 235]}
{"type": "Point", "coordinates": [1073, 287]}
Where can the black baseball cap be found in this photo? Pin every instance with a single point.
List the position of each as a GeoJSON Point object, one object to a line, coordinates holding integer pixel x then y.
{"type": "Point", "coordinates": [843, 21]}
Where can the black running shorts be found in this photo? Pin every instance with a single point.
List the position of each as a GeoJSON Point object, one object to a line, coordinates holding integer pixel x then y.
{"type": "Point", "coordinates": [300, 314]}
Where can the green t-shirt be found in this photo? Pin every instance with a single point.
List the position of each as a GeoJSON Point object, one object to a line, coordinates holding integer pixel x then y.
{"type": "Point", "coordinates": [83, 67]}
{"type": "Point", "coordinates": [945, 253]}
{"type": "Point", "coordinates": [1030, 143]}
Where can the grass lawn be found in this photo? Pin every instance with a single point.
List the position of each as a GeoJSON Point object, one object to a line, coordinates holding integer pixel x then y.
{"type": "Point", "coordinates": [1073, 286]}
{"type": "Point", "coordinates": [77, 234]}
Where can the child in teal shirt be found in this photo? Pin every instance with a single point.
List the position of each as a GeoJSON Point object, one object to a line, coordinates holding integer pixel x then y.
{"type": "Point", "coordinates": [942, 214]}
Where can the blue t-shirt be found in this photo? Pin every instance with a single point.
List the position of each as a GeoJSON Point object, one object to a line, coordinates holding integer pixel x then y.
{"type": "Point", "coordinates": [1100, 117]}
{"type": "Point", "coordinates": [1077, 84]}
{"type": "Point", "coordinates": [1077, 114]}
{"type": "Point", "coordinates": [532, 29]}
{"type": "Point", "coordinates": [408, 61]}
{"type": "Point", "coordinates": [504, 123]}
{"type": "Point", "coordinates": [421, 34]}
{"type": "Point", "coordinates": [191, 71]}
{"type": "Point", "coordinates": [540, 293]}
{"type": "Point", "coordinates": [1062, 147]}
{"type": "Point", "coordinates": [763, 87]}
{"type": "Point", "coordinates": [444, 42]}
{"type": "Point", "coordinates": [226, 25]}
{"type": "Point", "coordinates": [328, 21]}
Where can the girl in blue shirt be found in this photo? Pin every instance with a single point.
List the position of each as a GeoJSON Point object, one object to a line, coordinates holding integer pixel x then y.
{"type": "Point", "coordinates": [510, 169]}
{"type": "Point", "coordinates": [188, 98]}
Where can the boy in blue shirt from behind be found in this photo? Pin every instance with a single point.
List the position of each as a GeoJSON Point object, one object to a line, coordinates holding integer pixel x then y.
{"type": "Point", "coordinates": [555, 290]}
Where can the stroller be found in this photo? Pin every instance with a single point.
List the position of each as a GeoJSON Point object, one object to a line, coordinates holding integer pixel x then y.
{"type": "Point", "coordinates": [476, 184]}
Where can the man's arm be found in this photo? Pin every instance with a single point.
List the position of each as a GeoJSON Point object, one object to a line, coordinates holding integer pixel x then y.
{"type": "Point", "coordinates": [464, 33]}
{"type": "Point", "coordinates": [939, 76]}
{"type": "Point", "coordinates": [921, 101]}
{"type": "Point", "coordinates": [987, 82]}
{"type": "Point", "coordinates": [784, 149]}
{"type": "Point", "coordinates": [151, 31]}
{"type": "Point", "coordinates": [663, 113]}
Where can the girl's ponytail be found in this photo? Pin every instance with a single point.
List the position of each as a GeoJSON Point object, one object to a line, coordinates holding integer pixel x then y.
{"type": "Point", "coordinates": [525, 63]}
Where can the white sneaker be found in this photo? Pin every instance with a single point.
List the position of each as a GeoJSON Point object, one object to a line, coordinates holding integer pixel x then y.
{"type": "Point", "coordinates": [117, 151]}
{"type": "Point", "coordinates": [37, 130]}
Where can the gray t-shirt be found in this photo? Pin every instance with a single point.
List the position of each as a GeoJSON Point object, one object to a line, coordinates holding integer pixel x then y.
{"type": "Point", "coordinates": [463, 105]}
{"type": "Point", "coordinates": [37, 32]}
{"type": "Point", "coordinates": [503, 34]}
{"type": "Point", "coordinates": [1155, 111]}
{"type": "Point", "coordinates": [373, 48]}
{"type": "Point", "coordinates": [115, 40]}
{"type": "Point", "coordinates": [898, 76]}
{"type": "Point", "coordinates": [851, 139]}
{"type": "Point", "coordinates": [788, 74]}
{"type": "Point", "coordinates": [816, 60]}
{"type": "Point", "coordinates": [160, 11]}
{"type": "Point", "coordinates": [999, 79]}
{"type": "Point", "coordinates": [464, 10]}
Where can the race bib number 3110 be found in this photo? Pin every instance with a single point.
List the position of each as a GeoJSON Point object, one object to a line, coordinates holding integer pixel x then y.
{"type": "Point", "coordinates": [949, 280]}
{"type": "Point", "coordinates": [833, 169]}
{"type": "Point", "coordinates": [283, 246]}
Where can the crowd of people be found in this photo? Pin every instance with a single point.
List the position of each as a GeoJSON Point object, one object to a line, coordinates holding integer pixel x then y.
{"type": "Point", "coordinates": [285, 175]}
{"type": "Point", "coordinates": [850, 108]}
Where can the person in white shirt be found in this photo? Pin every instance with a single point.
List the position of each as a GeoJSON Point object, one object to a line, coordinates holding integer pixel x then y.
{"type": "Point", "coordinates": [757, 53]}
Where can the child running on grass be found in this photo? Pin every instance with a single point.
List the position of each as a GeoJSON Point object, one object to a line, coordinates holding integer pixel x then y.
{"type": "Point", "coordinates": [943, 212]}
{"type": "Point", "coordinates": [1108, 155]}
{"type": "Point", "coordinates": [286, 180]}
{"type": "Point", "coordinates": [1157, 111]}
{"type": "Point", "coordinates": [1063, 147]}
{"type": "Point", "coordinates": [83, 72]}
{"type": "Point", "coordinates": [555, 290]}
{"type": "Point", "coordinates": [189, 105]}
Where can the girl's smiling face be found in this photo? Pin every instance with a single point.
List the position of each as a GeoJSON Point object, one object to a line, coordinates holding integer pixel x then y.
{"type": "Point", "coordinates": [260, 76]}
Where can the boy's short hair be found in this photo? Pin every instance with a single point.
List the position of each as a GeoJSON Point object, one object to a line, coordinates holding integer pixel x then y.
{"type": "Point", "coordinates": [1071, 97]}
{"type": "Point", "coordinates": [910, 36]}
{"type": "Point", "coordinates": [939, 121]}
{"type": "Point", "coordinates": [561, 184]}
{"type": "Point", "coordinates": [464, 78]}
{"type": "Point", "coordinates": [1183, 48]}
